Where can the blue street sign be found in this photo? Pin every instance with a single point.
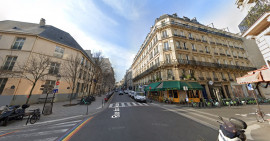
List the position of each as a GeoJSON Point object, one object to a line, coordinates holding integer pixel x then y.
{"type": "Point", "coordinates": [55, 91]}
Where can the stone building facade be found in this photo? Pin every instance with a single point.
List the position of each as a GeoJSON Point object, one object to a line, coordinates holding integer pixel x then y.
{"type": "Point", "coordinates": [183, 49]}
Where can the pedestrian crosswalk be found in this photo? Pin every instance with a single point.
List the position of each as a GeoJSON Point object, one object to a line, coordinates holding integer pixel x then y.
{"type": "Point", "coordinates": [127, 104]}
{"type": "Point", "coordinates": [41, 133]}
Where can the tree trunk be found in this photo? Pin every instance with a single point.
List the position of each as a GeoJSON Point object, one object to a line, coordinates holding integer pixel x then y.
{"type": "Point", "coordinates": [30, 94]}
{"type": "Point", "coordinates": [70, 99]}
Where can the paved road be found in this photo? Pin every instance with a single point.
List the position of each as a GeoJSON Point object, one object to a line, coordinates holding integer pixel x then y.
{"type": "Point", "coordinates": [134, 121]}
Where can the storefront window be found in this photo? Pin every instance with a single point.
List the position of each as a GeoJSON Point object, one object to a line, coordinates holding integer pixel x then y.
{"type": "Point", "coordinates": [170, 93]}
{"type": "Point", "coordinates": [175, 95]}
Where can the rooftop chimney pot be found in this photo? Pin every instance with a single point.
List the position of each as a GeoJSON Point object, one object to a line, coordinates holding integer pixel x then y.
{"type": "Point", "coordinates": [42, 22]}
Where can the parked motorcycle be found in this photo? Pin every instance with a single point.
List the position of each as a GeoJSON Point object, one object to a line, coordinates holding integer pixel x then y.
{"type": "Point", "coordinates": [12, 113]}
{"type": "Point", "coordinates": [232, 130]}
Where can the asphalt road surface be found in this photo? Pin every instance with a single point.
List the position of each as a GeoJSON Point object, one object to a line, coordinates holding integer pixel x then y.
{"type": "Point", "coordinates": [127, 120]}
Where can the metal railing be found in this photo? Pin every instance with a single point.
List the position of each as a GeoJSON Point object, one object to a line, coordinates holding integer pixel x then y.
{"type": "Point", "coordinates": [167, 49]}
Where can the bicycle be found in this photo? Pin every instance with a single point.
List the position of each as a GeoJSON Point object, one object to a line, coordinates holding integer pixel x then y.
{"type": "Point", "coordinates": [260, 115]}
{"type": "Point", "coordinates": [33, 116]}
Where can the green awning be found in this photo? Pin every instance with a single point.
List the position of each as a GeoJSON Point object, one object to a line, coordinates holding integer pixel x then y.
{"type": "Point", "coordinates": [191, 85]}
{"type": "Point", "coordinates": [178, 85]}
{"type": "Point", "coordinates": [169, 85]}
{"type": "Point", "coordinates": [152, 85]}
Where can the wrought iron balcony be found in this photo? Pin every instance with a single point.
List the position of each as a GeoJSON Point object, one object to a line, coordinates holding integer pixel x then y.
{"type": "Point", "coordinates": [224, 79]}
{"type": "Point", "coordinates": [185, 48]}
{"type": "Point", "coordinates": [207, 52]}
{"type": "Point", "coordinates": [254, 14]}
{"type": "Point", "coordinates": [235, 56]}
{"type": "Point", "coordinates": [167, 49]}
{"type": "Point", "coordinates": [178, 47]}
{"type": "Point", "coordinates": [201, 78]}
{"type": "Point", "coordinates": [228, 55]}
{"type": "Point", "coordinates": [216, 53]}
{"type": "Point", "coordinates": [194, 49]}
{"type": "Point", "coordinates": [215, 79]}
{"type": "Point", "coordinates": [201, 51]}
{"type": "Point", "coordinates": [231, 46]}
{"type": "Point", "coordinates": [231, 79]}
{"type": "Point", "coordinates": [219, 44]}
{"type": "Point", "coordinates": [208, 78]}
{"type": "Point", "coordinates": [222, 54]}
{"type": "Point", "coordinates": [191, 38]}
{"type": "Point", "coordinates": [240, 57]}
{"type": "Point", "coordinates": [198, 40]}
{"type": "Point", "coordinates": [225, 45]}
{"type": "Point", "coordinates": [204, 41]}
{"type": "Point", "coordinates": [212, 43]}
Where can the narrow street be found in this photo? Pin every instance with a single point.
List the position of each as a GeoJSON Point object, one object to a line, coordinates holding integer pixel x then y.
{"type": "Point", "coordinates": [140, 121]}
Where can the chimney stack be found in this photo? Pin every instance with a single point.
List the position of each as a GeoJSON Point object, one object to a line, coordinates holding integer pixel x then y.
{"type": "Point", "coordinates": [42, 22]}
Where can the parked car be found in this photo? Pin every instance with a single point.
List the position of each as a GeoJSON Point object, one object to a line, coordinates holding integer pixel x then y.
{"type": "Point", "coordinates": [121, 92]}
{"type": "Point", "coordinates": [108, 96]}
{"type": "Point", "coordinates": [132, 94]}
{"type": "Point", "coordinates": [139, 97]}
{"type": "Point", "coordinates": [126, 91]}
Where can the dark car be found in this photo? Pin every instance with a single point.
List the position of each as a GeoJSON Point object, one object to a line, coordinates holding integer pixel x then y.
{"type": "Point", "coordinates": [121, 92]}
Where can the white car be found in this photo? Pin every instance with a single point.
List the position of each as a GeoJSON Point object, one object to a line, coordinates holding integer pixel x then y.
{"type": "Point", "coordinates": [139, 97]}
{"type": "Point", "coordinates": [130, 93]}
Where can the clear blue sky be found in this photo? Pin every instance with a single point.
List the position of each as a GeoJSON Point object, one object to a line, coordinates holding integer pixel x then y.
{"type": "Point", "coordinates": [117, 27]}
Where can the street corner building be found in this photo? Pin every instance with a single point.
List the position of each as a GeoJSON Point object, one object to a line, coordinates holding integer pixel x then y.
{"type": "Point", "coordinates": [24, 45]}
{"type": "Point", "coordinates": [182, 58]}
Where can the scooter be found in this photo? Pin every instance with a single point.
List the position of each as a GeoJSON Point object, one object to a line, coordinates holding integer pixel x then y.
{"type": "Point", "coordinates": [232, 130]}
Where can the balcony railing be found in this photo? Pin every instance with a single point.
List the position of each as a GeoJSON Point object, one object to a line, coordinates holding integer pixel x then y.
{"type": "Point", "coordinates": [231, 79]}
{"type": "Point", "coordinates": [212, 43]}
{"type": "Point", "coordinates": [208, 78]}
{"type": "Point", "coordinates": [240, 57]}
{"type": "Point", "coordinates": [191, 38]}
{"type": "Point", "coordinates": [224, 45]}
{"type": "Point", "coordinates": [219, 44]}
{"type": "Point", "coordinates": [201, 51]}
{"type": "Point", "coordinates": [194, 49]}
{"type": "Point", "coordinates": [201, 78]}
{"type": "Point", "coordinates": [222, 54]}
{"type": "Point", "coordinates": [230, 46]}
{"type": "Point", "coordinates": [228, 55]}
{"type": "Point", "coordinates": [204, 41]}
{"type": "Point", "coordinates": [215, 79]}
{"type": "Point", "coordinates": [207, 52]}
{"type": "Point", "coordinates": [185, 48]}
{"type": "Point", "coordinates": [254, 14]}
{"type": "Point", "coordinates": [178, 47]}
{"type": "Point", "coordinates": [167, 49]}
{"type": "Point", "coordinates": [235, 56]}
{"type": "Point", "coordinates": [198, 40]}
{"type": "Point", "coordinates": [224, 79]}
{"type": "Point", "coordinates": [216, 53]}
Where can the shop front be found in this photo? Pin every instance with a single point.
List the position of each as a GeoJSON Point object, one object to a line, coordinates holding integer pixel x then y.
{"type": "Point", "coordinates": [173, 92]}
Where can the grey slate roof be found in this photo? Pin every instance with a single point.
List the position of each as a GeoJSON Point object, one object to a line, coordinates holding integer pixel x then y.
{"type": "Point", "coordinates": [47, 31]}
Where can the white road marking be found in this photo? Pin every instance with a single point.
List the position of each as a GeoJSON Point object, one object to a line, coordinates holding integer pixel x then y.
{"type": "Point", "coordinates": [60, 126]}
{"type": "Point", "coordinates": [33, 134]}
{"type": "Point", "coordinates": [99, 107]}
{"type": "Point", "coordinates": [47, 139]}
{"type": "Point", "coordinates": [128, 103]}
{"type": "Point", "coordinates": [249, 129]}
{"type": "Point", "coordinates": [116, 104]}
{"type": "Point", "coordinates": [145, 104]}
{"type": "Point", "coordinates": [134, 103]}
{"type": "Point", "coordinates": [116, 109]}
{"type": "Point", "coordinates": [111, 105]}
{"type": "Point", "coordinates": [67, 122]}
{"type": "Point", "coordinates": [54, 120]}
{"type": "Point", "coordinates": [140, 104]}
{"type": "Point", "coordinates": [123, 104]}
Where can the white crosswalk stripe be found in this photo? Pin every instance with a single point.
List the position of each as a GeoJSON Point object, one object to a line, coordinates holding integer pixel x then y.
{"type": "Point", "coordinates": [46, 133]}
{"type": "Point", "coordinates": [127, 104]}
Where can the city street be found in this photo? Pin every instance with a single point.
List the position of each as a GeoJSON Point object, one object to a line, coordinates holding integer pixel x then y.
{"type": "Point", "coordinates": [138, 121]}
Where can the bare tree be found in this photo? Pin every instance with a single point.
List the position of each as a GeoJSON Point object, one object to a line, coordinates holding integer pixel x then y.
{"type": "Point", "coordinates": [36, 68]}
{"type": "Point", "coordinates": [98, 60]}
{"type": "Point", "coordinates": [70, 72]}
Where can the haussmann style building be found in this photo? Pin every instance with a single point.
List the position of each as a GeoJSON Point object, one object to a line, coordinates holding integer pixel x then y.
{"type": "Point", "coordinates": [181, 58]}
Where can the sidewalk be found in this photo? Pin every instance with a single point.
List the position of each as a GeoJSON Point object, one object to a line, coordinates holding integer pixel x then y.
{"type": "Point", "coordinates": [255, 130]}
{"type": "Point", "coordinates": [60, 112]}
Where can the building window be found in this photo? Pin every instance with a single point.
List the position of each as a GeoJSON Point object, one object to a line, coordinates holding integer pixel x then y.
{"type": "Point", "coordinates": [82, 60]}
{"type": "Point", "coordinates": [9, 64]}
{"type": "Point", "coordinates": [189, 35]}
{"type": "Point", "coordinates": [187, 57]}
{"type": "Point", "coordinates": [54, 69]}
{"type": "Point", "coordinates": [214, 75]}
{"type": "Point", "coordinates": [168, 58]}
{"type": "Point", "coordinates": [193, 47]}
{"type": "Point", "coordinates": [182, 33]}
{"type": "Point", "coordinates": [164, 34]}
{"type": "Point", "coordinates": [166, 45]}
{"type": "Point", "coordinates": [206, 49]}
{"type": "Point", "coordinates": [184, 45]}
{"type": "Point", "coordinates": [175, 32]}
{"type": "Point", "coordinates": [0, 37]}
{"type": "Point", "coordinates": [3, 82]}
{"type": "Point", "coordinates": [58, 52]}
{"type": "Point", "coordinates": [169, 74]}
{"type": "Point", "coordinates": [48, 82]}
{"type": "Point", "coordinates": [18, 43]}
{"type": "Point", "coordinates": [177, 44]}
